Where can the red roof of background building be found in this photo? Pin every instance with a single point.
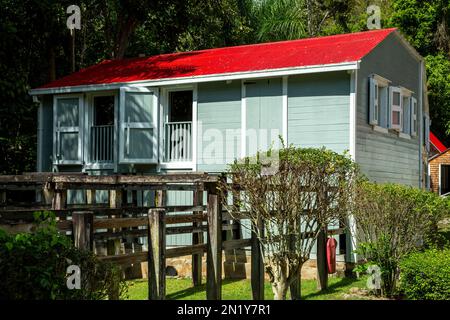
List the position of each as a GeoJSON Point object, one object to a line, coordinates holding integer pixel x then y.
{"type": "Point", "coordinates": [437, 143]}
{"type": "Point", "coordinates": [256, 57]}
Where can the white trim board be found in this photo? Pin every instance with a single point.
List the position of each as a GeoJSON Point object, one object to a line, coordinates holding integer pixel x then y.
{"type": "Point", "coordinates": [208, 78]}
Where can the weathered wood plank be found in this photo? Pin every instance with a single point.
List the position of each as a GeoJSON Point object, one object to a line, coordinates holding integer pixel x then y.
{"type": "Point", "coordinates": [236, 244]}
{"type": "Point", "coordinates": [214, 247]}
{"type": "Point", "coordinates": [120, 223]}
{"type": "Point", "coordinates": [197, 238]}
{"type": "Point", "coordinates": [83, 231]}
{"type": "Point", "coordinates": [157, 255]}
{"type": "Point", "coordinates": [185, 250]}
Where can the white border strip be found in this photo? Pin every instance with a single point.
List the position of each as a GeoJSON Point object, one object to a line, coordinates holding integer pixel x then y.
{"type": "Point", "coordinates": [285, 110]}
{"type": "Point", "coordinates": [207, 78]}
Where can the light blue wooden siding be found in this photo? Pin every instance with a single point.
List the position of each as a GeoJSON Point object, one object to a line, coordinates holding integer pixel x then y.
{"type": "Point", "coordinates": [318, 110]}
{"type": "Point", "coordinates": [385, 157]}
{"type": "Point", "coordinates": [264, 114]}
{"type": "Point", "coordinates": [46, 133]}
{"type": "Point", "coordinates": [219, 124]}
{"type": "Point", "coordinates": [179, 198]}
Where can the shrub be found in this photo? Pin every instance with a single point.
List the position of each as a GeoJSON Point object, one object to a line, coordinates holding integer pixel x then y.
{"type": "Point", "coordinates": [426, 275]}
{"type": "Point", "coordinates": [392, 221]}
{"type": "Point", "coordinates": [33, 266]}
{"type": "Point", "coordinates": [289, 199]}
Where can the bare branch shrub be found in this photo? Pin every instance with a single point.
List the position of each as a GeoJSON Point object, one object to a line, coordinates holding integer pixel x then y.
{"type": "Point", "coordinates": [391, 222]}
{"type": "Point", "coordinates": [310, 190]}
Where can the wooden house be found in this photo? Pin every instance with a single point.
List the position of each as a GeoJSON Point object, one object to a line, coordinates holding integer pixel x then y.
{"type": "Point", "coordinates": [198, 111]}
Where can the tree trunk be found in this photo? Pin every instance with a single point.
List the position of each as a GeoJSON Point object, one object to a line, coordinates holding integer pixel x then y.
{"type": "Point", "coordinates": [280, 289]}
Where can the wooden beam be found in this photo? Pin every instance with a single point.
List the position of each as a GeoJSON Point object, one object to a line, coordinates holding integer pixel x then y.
{"type": "Point", "coordinates": [83, 231]}
{"type": "Point", "coordinates": [257, 265]}
{"type": "Point", "coordinates": [157, 254]}
{"type": "Point", "coordinates": [197, 238]}
{"type": "Point", "coordinates": [236, 244]}
{"type": "Point", "coordinates": [59, 199]}
{"type": "Point", "coordinates": [321, 260]}
{"type": "Point", "coordinates": [214, 253]}
{"type": "Point", "coordinates": [186, 250]}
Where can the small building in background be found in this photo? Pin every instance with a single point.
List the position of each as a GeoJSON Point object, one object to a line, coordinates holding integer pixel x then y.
{"type": "Point", "coordinates": [439, 166]}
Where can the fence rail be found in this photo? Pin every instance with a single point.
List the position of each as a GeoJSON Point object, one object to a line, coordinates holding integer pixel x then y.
{"type": "Point", "coordinates": [120, 219]}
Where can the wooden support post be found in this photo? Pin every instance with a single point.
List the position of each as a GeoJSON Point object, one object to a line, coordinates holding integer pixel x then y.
{"type": "Point", "coordinates": [90, 196]}
{"type": "Point", "coordinates": [115, 201]}
{"type": "Point", "coordinates": [197, 238]}
{"type": "Point", "coordinates": [115, 198]}
{"type": "Point", "coordinates": [83, 230]}
{"type": "Point", "coordinates": [257, 265]}
{"type": "Point", "coordinates": [321, 260]}
{"type": "Point", "coordinates": [214, 251]}
{"type": "Point", "coordinates": [48, 194]}
{"type": "Point", "coordinates": [156, 254]}
{"type": "Point", "coordinates": [59, 199]}
{"type": "Point", "coordinates": [160, 198]}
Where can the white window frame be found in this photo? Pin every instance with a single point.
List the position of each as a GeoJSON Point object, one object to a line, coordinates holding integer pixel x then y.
{"type": "Point", "coordinates": [395, 108]}
{"type": "Point", "coordinates": [57, 130]}
{"type": "Point", "coordinates": [89, 121]}
{"type": "Point", "coordinates": [124, 126]}
{"type": "Point", "coordinates": [378, 106]}
{"type": "Point", "coordinates": [164, 114]}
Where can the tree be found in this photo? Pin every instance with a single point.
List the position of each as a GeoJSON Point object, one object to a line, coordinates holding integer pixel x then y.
{"type": "Point", "coordinates": [393, 221]}
{"type": "Point", "coordinates": [290, 206]}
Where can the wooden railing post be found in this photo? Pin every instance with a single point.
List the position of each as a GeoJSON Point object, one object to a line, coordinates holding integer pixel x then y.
{"type": "Point", "coordinates": [48, 193]}
{"type": "Point", "coordinates": [156, 254]}
{"type": "Point", "coordinates": [59, 199]}
{"type": "Point", "coordinates": [83, 230]}
{"type": "Point", "coordinates": [115, 201]}
{"type": "Point", "coordinates": [321, 260]}
{"type": "Point", "coordinates": [257, 265]}
{"type": "Point", "coordinates": [197, 238]}
{"type": "Point", "coordinates": [214, 245]}
{"type": "Point", "coordinates": [90, 196]}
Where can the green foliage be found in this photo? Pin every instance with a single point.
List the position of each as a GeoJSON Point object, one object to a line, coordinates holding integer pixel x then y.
{"type": "Point", "coordinates": [426, 275]}
{"type": "Point", "coordinates": [33, 266]}
{"type": "Point", "coordinates": [393, 221]}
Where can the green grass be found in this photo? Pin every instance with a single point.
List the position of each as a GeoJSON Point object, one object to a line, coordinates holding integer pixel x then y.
{"type": "Point", "coordinates": [182, 289]}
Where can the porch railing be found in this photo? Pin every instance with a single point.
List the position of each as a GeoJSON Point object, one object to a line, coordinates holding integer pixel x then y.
{"type": "Point", "coordinates": [178, 141]}
{"type": "Point", "coordinates": [102, 142]}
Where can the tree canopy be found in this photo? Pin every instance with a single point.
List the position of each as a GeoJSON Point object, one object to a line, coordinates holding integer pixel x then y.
{"type": "Point", "coordinates": [36, 46]}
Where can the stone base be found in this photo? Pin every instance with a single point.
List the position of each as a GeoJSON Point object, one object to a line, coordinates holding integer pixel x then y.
{"type": "Point", "coordinates": [235, 267]}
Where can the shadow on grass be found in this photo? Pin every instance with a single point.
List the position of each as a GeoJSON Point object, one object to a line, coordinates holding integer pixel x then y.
{"type": "Point", "coordinates": [196, 290]}
{"type": "Point", "coordinates": [332, 288]}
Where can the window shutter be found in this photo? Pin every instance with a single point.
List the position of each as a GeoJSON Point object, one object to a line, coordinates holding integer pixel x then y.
{"type": "Point", "coordinates": [67, 116]}
{"type": "Point", "coordinates": [413, 102]}
{"type": "Point", "coordinates": [138, 140]}
{"type": "Point", "coordinates": [373, 101]}
{"type": "Point", "coordinates": [406, 125]}
{"type": "Point", "coordinates": [396, 112]}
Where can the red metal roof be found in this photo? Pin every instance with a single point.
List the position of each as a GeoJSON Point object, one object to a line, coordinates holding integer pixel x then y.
{"type": "Point", "coordinates": [437, 143]}
{"type": "Point", "coordinates": [256, 57]}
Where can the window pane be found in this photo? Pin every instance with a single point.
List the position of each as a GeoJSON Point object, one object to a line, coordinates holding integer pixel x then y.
{"type": "Point", "coordinates": [141, 144]}
{"type": "Point", "coordinates": [69, 146]}
{"type": "Point", "coordinates": [67, 112]}
{"type": "Point", "coordinates": [396, 98]}
{"type": "Point", "coordinates": [104, 111]}
{"type": "Point", "coordinates": [396, 117]}
{"type": "Point", "coordinates": [138, 107]}
{"type": "Point", "coordinates": [180, 106]}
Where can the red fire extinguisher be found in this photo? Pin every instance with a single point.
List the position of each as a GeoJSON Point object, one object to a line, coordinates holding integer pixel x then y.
{"type": "Point", "coordinates": [331, 255]}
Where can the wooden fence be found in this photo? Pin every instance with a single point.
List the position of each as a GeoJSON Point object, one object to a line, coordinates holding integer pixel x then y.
{"type": "Point", "coordinates": [84, 221]}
